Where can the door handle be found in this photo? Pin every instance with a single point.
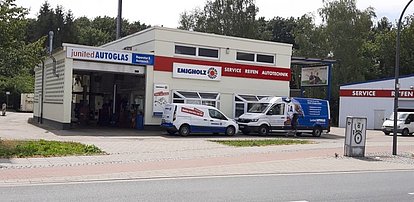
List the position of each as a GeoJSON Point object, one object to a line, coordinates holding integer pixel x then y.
{"type": "Point", "coordinates": [205, 119]}
{"type": "Point", "coordinates": [211, 120]}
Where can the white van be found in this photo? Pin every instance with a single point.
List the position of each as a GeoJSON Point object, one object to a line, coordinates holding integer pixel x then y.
{"type": "Point", "coordinates": [188, 118]}
{"type": "Point", "coordinates": [273, 114]}
{"type": "Point", "coordinates": [405, 123]}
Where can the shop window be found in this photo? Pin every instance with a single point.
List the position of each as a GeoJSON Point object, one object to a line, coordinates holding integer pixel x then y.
{"type": "Point", "coordinates": [185, 50]}
{"type": "Point", "coordinates": [206, 52]}
{"type": "Point", "coordinates": [208, 95]}
{"type": "Point", "coordinates": [245, 56]}
{"type": "Point", "coordinates": [265, 58]}
{"type": "Point", "coordinates": [189, 94]}
{"type": "Point", "coordinates": [239, 109]}
{"type": "Point", "coordinates": [203, 98]}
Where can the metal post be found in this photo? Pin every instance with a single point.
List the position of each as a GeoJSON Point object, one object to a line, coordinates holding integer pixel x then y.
{"type": "Point", "coordinates": [119, 20]}
{"type": "Point", "coordinates": [328, 88]}
{"type": "Point", "coordinates": [397, 84]}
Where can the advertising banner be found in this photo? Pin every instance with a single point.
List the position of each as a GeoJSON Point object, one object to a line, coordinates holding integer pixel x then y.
{"type": "Point", "coordinates": [109, 56]}
{"type": "Point", "coordinates": [160, 99]}
{"type": "Point", "coordinates": [202, 72]}
{"type": "Point", "coordinates": [314, 76]}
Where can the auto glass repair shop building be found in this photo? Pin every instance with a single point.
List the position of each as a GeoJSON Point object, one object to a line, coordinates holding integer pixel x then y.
{"type": "Point", "coordinates": [138, 74]}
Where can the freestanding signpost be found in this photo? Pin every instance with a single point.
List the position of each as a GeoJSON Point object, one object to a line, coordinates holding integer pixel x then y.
{"type": "Point", "coordinates": [355, 136]}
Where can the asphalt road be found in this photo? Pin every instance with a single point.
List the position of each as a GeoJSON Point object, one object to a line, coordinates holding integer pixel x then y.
{"type": "Point", "coordinates": [362, 186]}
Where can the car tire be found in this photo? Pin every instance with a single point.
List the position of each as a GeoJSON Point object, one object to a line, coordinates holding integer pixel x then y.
{"type": "Point", "coordinates": [317, 131]}
{"type": "Point", "coordinates": [405, 132]}
{"type": "Point", "coordinates": [298, 134]}
{"type": "Point", "coordinates": [386, 133]}
{"type": "Point", "coordinates": [184, 130]}
{"type": "Point", "coordinates": [263, 130]}
{"type": "Point", "coordinates": [171, 132]}
{"type": "Point", "coordinates": [230, 131]}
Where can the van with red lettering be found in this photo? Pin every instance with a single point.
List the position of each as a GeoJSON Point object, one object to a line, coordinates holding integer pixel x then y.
{"type": "Point", "coordinates": [188, 118]}
{"type": "Point", "coordinates": [405, 123]}
{"type": "Point", "coordinates": [273, 114]}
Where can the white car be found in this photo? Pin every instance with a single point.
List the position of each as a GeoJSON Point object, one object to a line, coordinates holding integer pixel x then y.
{"type": "Point", "coordinates": [405, 124]}
{"type": "Point", "coordinates": [188, 118]}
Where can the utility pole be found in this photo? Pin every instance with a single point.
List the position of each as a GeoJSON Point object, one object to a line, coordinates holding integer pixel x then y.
{"type": "Point", "coordinates": [119, 20]}
{"type": "Point", "coordinates": [397, 84]}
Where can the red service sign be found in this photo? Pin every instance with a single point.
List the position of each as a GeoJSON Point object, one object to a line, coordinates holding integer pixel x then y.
{"type": "Point", "coordinates": [375, 93]}
{"type": "Point", "coordinates": [194, 111]}
{"type": "Point", "coordinates": [227, 69]}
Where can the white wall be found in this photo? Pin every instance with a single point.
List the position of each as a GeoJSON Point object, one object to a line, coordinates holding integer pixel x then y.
{"type": "Point", "coordinates": [362, 106]}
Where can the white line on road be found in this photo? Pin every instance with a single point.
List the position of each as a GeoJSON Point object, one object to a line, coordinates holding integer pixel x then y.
{"type": "Point", "coordinates": [411, 193]}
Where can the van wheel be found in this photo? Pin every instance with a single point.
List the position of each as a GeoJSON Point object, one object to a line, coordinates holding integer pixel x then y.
{"type": "Point", "coordinates": [386, 133]}
{"type": "Point", "coordinates": [230, 131]}
{"type": "Point", "coordinates": [263, 130]}
{"type": "Point", "coordinates": [184, 130]}
{"type": "Point", "coordinates": [317, 131]}
{"type": "Point", "coordinates": [405, 132]}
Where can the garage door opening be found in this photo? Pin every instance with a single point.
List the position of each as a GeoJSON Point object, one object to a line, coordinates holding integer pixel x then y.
{"type": "Point", "coordinates": [103, 99]}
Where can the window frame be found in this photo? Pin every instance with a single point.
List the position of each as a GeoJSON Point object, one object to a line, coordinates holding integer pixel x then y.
{"type": "Point", "coordinates": [257, 56]}
{"type": "Point", "coordinates": [246, 52]}
{"type": "Point", "coordinates": [200, 99]}
{"type": "Point", "coordinates": [184, 45]}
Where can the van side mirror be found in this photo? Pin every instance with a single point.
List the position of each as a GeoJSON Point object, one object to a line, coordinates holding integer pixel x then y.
{"type": "Point", "coordinates": [407, 121]}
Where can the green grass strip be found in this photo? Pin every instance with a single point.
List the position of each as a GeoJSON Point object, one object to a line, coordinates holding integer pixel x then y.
{"type": "Point", "coordinates": [261, 143]}
{"type": "Point", "coordinates": [44, 148]}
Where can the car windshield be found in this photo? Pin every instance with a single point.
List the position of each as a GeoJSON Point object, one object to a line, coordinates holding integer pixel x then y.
{"type": "Point", "coordinates": [400, 116]}
{"type": "Point", "coordinates": [258, 108]}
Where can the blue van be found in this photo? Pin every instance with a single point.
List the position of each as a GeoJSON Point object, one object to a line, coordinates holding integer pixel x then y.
{"type": "Point", "coordinates": [274, 114]}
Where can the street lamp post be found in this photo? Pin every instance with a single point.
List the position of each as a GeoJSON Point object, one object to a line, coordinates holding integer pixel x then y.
{"type": "Point", "coordinates": [397, 84]}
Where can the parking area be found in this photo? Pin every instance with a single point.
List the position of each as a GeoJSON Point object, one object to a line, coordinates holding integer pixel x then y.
{"type": "Point", "coordinates": [128, 141]}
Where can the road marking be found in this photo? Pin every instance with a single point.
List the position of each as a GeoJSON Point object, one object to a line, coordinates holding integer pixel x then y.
{"type": "Point", "coordinates": [411, 193]}
{"type": "Point", "coordinates": [298, 201]}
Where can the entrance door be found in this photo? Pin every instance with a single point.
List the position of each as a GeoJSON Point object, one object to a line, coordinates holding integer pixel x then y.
{"type": "Point", "coordinates": [379, 117]}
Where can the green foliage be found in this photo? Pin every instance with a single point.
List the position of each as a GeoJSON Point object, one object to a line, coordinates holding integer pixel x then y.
{"type": "Point", "coordinates": [260, 143]}
{"type": "Point", "coordinates": [225, 17]}
{"type": "Point", "coordinates": [17, 55]}
{"type": "Point", "coordinates": [44, 148]}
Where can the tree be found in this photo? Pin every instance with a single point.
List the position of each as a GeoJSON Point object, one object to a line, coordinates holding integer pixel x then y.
{"type": "Point", "coordinates": [224, 17]}
{"type": "Point", "coordinates": [17, 57]}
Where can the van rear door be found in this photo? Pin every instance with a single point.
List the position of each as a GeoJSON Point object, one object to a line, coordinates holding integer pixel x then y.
{"type": "Point", "coordinates": [169, 113]}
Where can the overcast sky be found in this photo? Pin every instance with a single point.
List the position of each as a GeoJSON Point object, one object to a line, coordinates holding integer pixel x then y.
{"type": "Point", "coordinates": [166, 12]}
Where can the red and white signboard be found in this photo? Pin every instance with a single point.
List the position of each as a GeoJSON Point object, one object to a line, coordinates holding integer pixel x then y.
{"type": "Point", "coordinates": [375, 93]}
{"type": "Point", "coordinates": [194, 111]}
{"type": "Point", "coordinates": [191, 71]}
{"type": "Point", "coordinates": [194, 68]}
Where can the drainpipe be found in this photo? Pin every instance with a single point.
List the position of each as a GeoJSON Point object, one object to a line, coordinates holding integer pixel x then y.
{"type": "Point", "coordinates": [42, 92]}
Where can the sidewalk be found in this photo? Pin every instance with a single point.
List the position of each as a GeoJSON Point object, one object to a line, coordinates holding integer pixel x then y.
{"type": "Point", "coordinates": [153, 155]}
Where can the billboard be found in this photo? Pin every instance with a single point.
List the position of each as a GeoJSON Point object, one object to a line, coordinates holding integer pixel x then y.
{"type": "Point", "coordinates": [160, 99]}
{"type": "Point", "coordinates": [314, 76]}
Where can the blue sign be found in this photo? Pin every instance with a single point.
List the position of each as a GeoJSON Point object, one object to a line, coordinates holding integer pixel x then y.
{"type": "Point", "coordinates": [142, 59]}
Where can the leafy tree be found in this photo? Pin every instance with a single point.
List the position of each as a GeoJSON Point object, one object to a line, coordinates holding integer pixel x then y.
{"type": "Point", "coordinates": [225, 17]}
{"type": "Point", "coordinates": [17, 57]}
